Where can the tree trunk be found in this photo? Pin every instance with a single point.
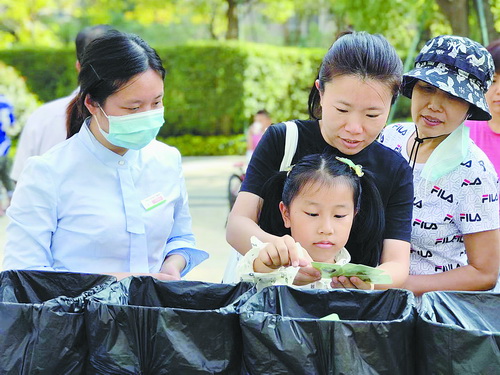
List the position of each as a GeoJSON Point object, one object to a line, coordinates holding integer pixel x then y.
{"type": "Point", "coordinates": [286, 33]}
{"type": "Point", "coordinates": [490, 22]}
{"type": "Point", "coordinates": [232, 20]}
{"type": "Point", "coordinates": [457, 14]}
{"type": "Point", "coordinates": [211, 26]}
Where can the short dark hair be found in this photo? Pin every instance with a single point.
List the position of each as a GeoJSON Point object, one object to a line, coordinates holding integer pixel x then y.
{"type": "Point", "coordinates": [108, 63]}
{"type": "Point", "coordinates": [263, 112]}
{"type": "Point", "coordinates": [368, 56]}
{"type": "Point", "coordinates": [494, 49]}
{"type": "Point", "coordinates": [87, 35]}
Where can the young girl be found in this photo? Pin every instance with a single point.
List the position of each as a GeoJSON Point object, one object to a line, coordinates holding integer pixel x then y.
{"type": "Point", "coordinates": [315, 205]}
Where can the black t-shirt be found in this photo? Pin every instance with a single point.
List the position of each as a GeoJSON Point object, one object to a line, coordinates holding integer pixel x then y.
{"type": "Point", "coordinates": [391, 172]}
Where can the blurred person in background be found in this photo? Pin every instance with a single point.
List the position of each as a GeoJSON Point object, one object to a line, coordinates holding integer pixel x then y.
{"type": "Point", "coordinates": [6, 121]}
{"type": "Point", "coordinates": [261, 121]}
{"type": "Point", "coordinates": [486, 134]}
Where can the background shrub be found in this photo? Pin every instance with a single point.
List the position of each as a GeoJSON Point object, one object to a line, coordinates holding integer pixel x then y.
{"type": "Point", "coordinates": [13, 86]}
{"type": "Point", "coordinates": [211, 145]}
{"type": "Point", "coordinates": [211, 88]}
{"type": "Point", "coordinates": [215, 88]}
{"type": "Point", "coordinates": [49, 73]}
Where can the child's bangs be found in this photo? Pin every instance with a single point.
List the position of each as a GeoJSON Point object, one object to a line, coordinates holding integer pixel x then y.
{"type": "Point", "coordinates": [318, 180]}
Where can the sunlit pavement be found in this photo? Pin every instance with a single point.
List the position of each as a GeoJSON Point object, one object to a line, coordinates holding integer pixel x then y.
{"type": "Point", "coordinates": [206, 182]}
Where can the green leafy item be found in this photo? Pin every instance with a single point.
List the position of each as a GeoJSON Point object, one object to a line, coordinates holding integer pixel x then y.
{"type": "Point", "coordinates": [365, 273]}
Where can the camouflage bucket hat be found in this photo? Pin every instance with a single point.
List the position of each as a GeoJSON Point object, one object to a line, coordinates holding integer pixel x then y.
{"type": "Point", "coordinates": [458, 66]}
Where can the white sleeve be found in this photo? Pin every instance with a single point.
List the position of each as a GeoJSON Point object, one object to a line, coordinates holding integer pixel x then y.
{"type": "Point", "coordinates": [33, 219]}
{"type": "Point", "coordinates": [478, 204]}
{"type": "Point", "coordinates": [25, 147]}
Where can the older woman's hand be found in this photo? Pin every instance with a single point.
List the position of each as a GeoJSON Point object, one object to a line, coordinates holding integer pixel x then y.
{"type": "Point", "coordinates": [350, 283]}
{"type": "Point", "coordinates": [307, 275]}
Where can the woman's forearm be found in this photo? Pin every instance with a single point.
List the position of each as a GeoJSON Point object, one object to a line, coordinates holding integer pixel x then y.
{"type": "Point", "coordinates": [462, 278]}
{"type": "Point", "coordinates": [395, 260]}
{"type": "Point", "coordinates": [481, 272]}
{"type": "Point", "coordinates": [174, 262]}
{"type": "Point", "coordinates": [398, 272]}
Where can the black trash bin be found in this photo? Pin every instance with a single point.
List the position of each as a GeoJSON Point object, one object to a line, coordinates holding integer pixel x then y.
{"type": "Point", "coordinates": [459, 333]}
{"type": "Point", "coordinates": [283, 333]}
{"type": "Point", "coordinates": [145, 326]}
{"type": "Point", "coordinates": [41, 321]}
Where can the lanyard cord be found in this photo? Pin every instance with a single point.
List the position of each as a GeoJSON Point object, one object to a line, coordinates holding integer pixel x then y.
{"type": "Point", "coordinates": [417, 142]}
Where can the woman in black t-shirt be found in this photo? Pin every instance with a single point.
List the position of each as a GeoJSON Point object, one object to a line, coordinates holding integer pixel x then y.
{"type": "Point", "coordinates": [349, 104]}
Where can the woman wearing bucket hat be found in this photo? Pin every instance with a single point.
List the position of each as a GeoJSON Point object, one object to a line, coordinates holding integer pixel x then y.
{"type": "Point", "coordinates": [455, 242]}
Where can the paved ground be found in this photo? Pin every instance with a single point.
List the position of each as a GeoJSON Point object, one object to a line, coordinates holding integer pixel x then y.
{"type": "Point", "coordinates": [206, 181]}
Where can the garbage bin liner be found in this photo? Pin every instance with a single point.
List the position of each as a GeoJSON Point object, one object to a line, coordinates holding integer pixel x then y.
{"type": "Point", "coordinates": [459, 333]}
{"type": "Point", "coordinates": [41, 321]}
{"type": "Point", "coordinates": [145, 326]}
{"type": "Point", "coordinates": [283, 333]}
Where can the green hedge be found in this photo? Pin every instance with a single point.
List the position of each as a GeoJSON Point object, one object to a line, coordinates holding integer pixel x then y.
{"type": "Point", "coordinates": [13, 86]}
{"type": "Point", "coordinates": [49, 73]}
{"type": "Point", "coordinates": [212, 145]}
{"type": "Point", "coordinates": [215, 88]}
{"type": "Point", "coordinates": [211, 88]}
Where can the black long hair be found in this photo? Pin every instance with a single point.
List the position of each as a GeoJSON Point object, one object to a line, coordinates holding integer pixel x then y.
{"type": "Point", "coordinates": [365, 241]}
{"type": "Point", "coordinates": [108, 63]}
{"type": "Point", "coordinates": [494, 49]}
{"type": "Point", "coordinates": [87, 35]}
{"type": "Point", "coordinates": [367, 56]}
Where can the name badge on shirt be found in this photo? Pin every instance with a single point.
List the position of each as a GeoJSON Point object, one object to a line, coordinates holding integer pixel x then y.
{"type": "Point", "coordinates": [153, 201]}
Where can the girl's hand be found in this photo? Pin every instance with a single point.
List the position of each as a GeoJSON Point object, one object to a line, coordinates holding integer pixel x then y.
{"type": "Point", "coordinates": [350, 283]}
{"type": "Point", "coordinates": [307, 275]}
{"type": "Point", "coordinates": [283, 251]}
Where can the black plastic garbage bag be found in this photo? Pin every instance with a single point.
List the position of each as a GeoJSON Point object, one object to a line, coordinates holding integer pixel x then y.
{"type": "Point", "coordinates": [145, 326]}
{"type": "Point", "coordinates": [41, 321]}
{"type": "Point", "coordinates": [283, 333]}
{"type": "Point", "coordinates": [459, 333]}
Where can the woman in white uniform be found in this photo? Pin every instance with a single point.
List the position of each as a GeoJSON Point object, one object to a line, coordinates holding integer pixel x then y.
{"type": "Point", "coordinates": [110, 199]}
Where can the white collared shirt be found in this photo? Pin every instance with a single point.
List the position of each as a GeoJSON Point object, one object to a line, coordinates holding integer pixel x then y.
{"type": "Point", "coordinates": [45, 127]}
{"type": "Point", "coordinates": [78, 208]}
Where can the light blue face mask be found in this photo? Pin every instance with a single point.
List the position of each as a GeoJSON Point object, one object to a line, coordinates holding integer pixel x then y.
{"type": "Point", "coordinates": [133, 131]}
{"type": "Point", "coordinates": [448, 154]}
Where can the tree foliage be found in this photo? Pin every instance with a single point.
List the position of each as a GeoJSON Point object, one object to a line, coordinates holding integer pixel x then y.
{"type": "Point", "coordinates": [13, 86]}
{"type": "Point", "coordinates": [301, 22]}
{"type": "Point", "coordinates": [305, 23]}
